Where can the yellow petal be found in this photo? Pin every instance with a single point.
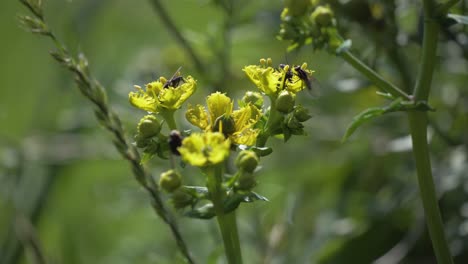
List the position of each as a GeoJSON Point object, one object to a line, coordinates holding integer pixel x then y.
{"type": "Point", "coordinates": [245, 137]}
{"type": "Point", "coordinates": [191, 150]}
{"type": "Point", "coordinates": [142, 100]}
{"type": "Point", "coordinates": [246, 117]}
{"type": "Point", "coordinates": [197, 116]}
{"type": "Point", "coordinates": [203, 149]}
{"type": "Point", "coordinates": [218, 105]}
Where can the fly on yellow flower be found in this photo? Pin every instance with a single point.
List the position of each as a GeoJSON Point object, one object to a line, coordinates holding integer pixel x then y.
{"type": "Point", "coordinates": [237, 125]}
{"type": "Point", "coordinates": [163, 94]}
{"type": "Point", "coordinates": [204, 149]}
{"type": "Point", "coordinates": [272, 81]}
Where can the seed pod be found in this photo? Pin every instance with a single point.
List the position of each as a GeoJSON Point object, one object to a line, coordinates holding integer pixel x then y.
{"type": "Point", "coordinates": [225, 124]}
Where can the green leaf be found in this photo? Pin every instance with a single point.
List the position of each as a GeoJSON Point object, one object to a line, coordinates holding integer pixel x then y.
{"type": "Point", "coordinates": [233, 201]}
{"type": "Point", "coordinates": [397, 105]}
{"type": "Point", "coordinates": [361, 118]}
{"type": "Point", "coordinates": [459, 18]}
{"type": "Point", "coordinates": [203, 212]}
{"type": "Point", "coordinates": [260, 151]}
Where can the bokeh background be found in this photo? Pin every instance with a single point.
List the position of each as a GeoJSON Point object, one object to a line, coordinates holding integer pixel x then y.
{"type": "Point", "coordinates": [62, 182]}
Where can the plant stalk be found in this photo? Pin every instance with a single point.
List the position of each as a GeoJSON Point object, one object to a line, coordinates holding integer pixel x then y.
{"type": "Point", "coordinates": [169, 118]}
{"type": "Point", "coordinates": [226, 221]}
{"type": "Point", "coordinates": [382, 84]}
{"type": "Point", "coordinates": [418, 126]}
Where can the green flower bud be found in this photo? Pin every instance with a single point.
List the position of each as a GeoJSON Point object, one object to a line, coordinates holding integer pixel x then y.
{"type": "Point", "coordinates": [294, 124]}
{"type": "Point", "coordinates": [170, 181]}
{"type": "Point", "coordinates": [322, 16]}
{"type": "Point", "coordinates": [148, 126]}
{"type": "Point", "coordinates": [142, 142]}
{"type": "Point", "coordinates": [254, 98]}
{"type": "Point", "coordinates": [247, 161]}
{"type": "Point", "coordinates": [181, 199]}
{"type": "Point", "coordinates": [225, 124]}
{"type": "Point", "coordinates": [301, 113]}
{"type": "Point", "coordinates": [246, 182]}
{"type": "Point", "coordinates": [285, 102]}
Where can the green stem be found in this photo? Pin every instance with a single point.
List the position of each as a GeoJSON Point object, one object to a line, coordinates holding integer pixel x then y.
{"type": "Point", "coordinates": [382, 84]}
{"type": "Point", "coordinates": [169, 118]}
{"type": "Point", "coordinates": [274, 118]}
{"type": "Point", "coordinates": [226, 222]}
{"type": "Point", "coordinates": [418, 126]}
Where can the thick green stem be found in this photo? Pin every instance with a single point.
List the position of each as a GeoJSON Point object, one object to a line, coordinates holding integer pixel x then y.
{"type": "Point", "coordinates": [382, 84]}
{"type": "Point", "coordinates": [274, 118]}
{"type": "Point", "coordinates": [169, 118]}
{"type": "Point", "coordinates": [226, 222]}
{"type": "Point", "coordinates": [418, 126]}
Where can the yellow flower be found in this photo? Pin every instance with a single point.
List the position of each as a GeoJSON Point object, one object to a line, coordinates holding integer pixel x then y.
{"type": "Point", "coordinates": [236, 125]}
{"type": "Point", "coordinates": [272, 81]}
{"type": "Point", "coordinates": [162, 95]}
{"type": "Point", "coordinates": [203, 149]}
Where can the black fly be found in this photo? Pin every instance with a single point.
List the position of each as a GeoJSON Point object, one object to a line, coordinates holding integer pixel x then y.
{"type": "Point", "coordinates": [175, 80]}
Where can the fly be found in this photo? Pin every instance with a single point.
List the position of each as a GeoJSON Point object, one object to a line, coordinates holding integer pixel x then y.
{"type": "Point", "coordinates": [175, 80]}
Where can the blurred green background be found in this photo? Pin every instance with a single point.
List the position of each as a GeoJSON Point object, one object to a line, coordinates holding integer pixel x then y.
{"type": "Point", "coordinates": [330, 202]}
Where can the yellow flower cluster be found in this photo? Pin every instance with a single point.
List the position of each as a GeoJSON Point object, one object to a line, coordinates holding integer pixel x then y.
{"type": "Point", "coordinates": [237, 125]}
{"type": "Point", "coordinates": [272, 81]}
{"type": "Point", "coordinates": [163, 94]}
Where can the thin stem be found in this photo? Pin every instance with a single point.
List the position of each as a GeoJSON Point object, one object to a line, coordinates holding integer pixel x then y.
{"type": "Point", "coordinates": [382, 84]}
{"type": "Point", "coordinates": [96, 94]}
{"type": "Point", "coordinates": [170, 25]}
{"type": "Point", "coordinates": [418, 126]}
{"type": "Point", "coordinates": [226, 222]}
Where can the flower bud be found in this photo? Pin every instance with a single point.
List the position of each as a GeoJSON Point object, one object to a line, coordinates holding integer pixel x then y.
{"type": "Point", "coordinates": [285, 102]}
{"type": "Point", "coordinates": [322, 16]}
{"type": "Point", "coordinates": [225, 124]}
{"type": "Point", "coordinates": [246, 182]}
{"type": "Point", "coordinates": [142, 142]}
{"type": "Point", "coordinates": [170, 181]}
{"type": "Point", "coordinates": [301, 113]}
{"type": "Point", "coordinates": [181, 199]}
{"type": "Point", "coordinates": [254, 98]}
{"type": "Point", "coordinates": [148, 126]}
{"type": "Point", "coordinates": [247, 161]}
